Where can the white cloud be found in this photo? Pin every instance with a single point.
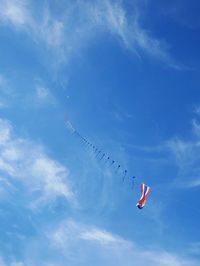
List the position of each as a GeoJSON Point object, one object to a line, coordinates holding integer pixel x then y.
{"type": "Point", "coordinates": [5, 187]}
{"type": "Point", "coordinates": [111, 17]}
{"type": "Point", "coordinates": [28, 163]}
{"type": "Point", "coordinates": [78, 241]}
{"type": "Point", "coordinates": [115, 19]}
{"type": "Point", "coordinates": [5, 128]}
{"type": "Point", "coordinates": [15, 12]}
{"type": "Point", "coordinates": [40, 95]}
{"type": "Point", "coordinates": [19, 14]}
{"type": "Point", "coordinates": [166, 259]}
{"type": "Point", "coordinates": [42, 92]}
{"type": "Point", "coordinates": [180, 149]}
{"type": "Point", "coordinates": [186, 156]}
{"type": "Point", "coordinates": [43, 95]}
{"type": "Point", "coordinates": [71, 232]}
{"type": "Point", "coordinates": [80, 23]}
{"type": "Point", "coordinates": [100, 236]}
{"type": "Point", "coordinates": [51, 30]}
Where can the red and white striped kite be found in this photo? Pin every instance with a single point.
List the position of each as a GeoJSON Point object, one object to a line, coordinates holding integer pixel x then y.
{"type": "Point", "coordinates": [145, 190]}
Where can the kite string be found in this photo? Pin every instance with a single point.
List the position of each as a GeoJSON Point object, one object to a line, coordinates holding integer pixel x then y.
{"type": "Point", "coordinates": [94, 149]}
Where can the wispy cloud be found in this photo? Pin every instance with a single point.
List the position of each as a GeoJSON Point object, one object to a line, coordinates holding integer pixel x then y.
{"type": "Point", "coordinates": [100, 236]}
{"type": "Point", "coordinates": [28, 163]}
{"type": "Point", "coordinates": [19, 14]}
{"type": "Point", "coordinates": [70, 230]}
{"type": "Point", "coordinates": [5, 187]}
{"type": "Point", "coordinates": [186, 156]}
{"type": "Point", "coordinates": [51, 30]}
{"type": "Point", "coordinates": [80, 23]}
{"type": "Point", "coordinates": [111, 17]}
{"type": "Point", "coordinates": [43, 95]}
{"type": "Point", "coordinates": [107, 248]}
{"type": "Point", "coordinates": [15, 12]}
{"type": "Point", "coordinates": [128, 29]}
{"type": "Point", "coordinates": [35, 94]}
{"type": "Point", "coordinates": [74, 243]}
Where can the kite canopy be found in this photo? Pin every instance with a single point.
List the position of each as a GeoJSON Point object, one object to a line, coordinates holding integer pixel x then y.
{"type": "Point", "coordinates": [145, 190]}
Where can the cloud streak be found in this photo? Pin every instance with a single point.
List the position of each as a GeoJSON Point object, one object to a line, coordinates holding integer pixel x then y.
{"type": "Point", "coordinates": [80, 23]}
{"type": "Point", "coordinates": [113, 17]}
{"type": "Point", "coordinates": [186, 157]}
{"type": "Point", "coordinates": [15, 12]}
{"type": "Point", "coordinates": [27, 162]}
{"type": "Point", "coordinates": [19, 14]}
{"type": "Point", "coordinates": [71, 238]}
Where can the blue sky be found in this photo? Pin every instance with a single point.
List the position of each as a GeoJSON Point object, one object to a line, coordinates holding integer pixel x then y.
{"type": "Point", "coordinates": [127, 74]}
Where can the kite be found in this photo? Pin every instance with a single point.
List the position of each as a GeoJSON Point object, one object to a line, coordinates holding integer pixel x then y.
{"type": "Point", "coordinates": [100, 155]}
{"type": "Point", "coordinates": [145, 190]}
